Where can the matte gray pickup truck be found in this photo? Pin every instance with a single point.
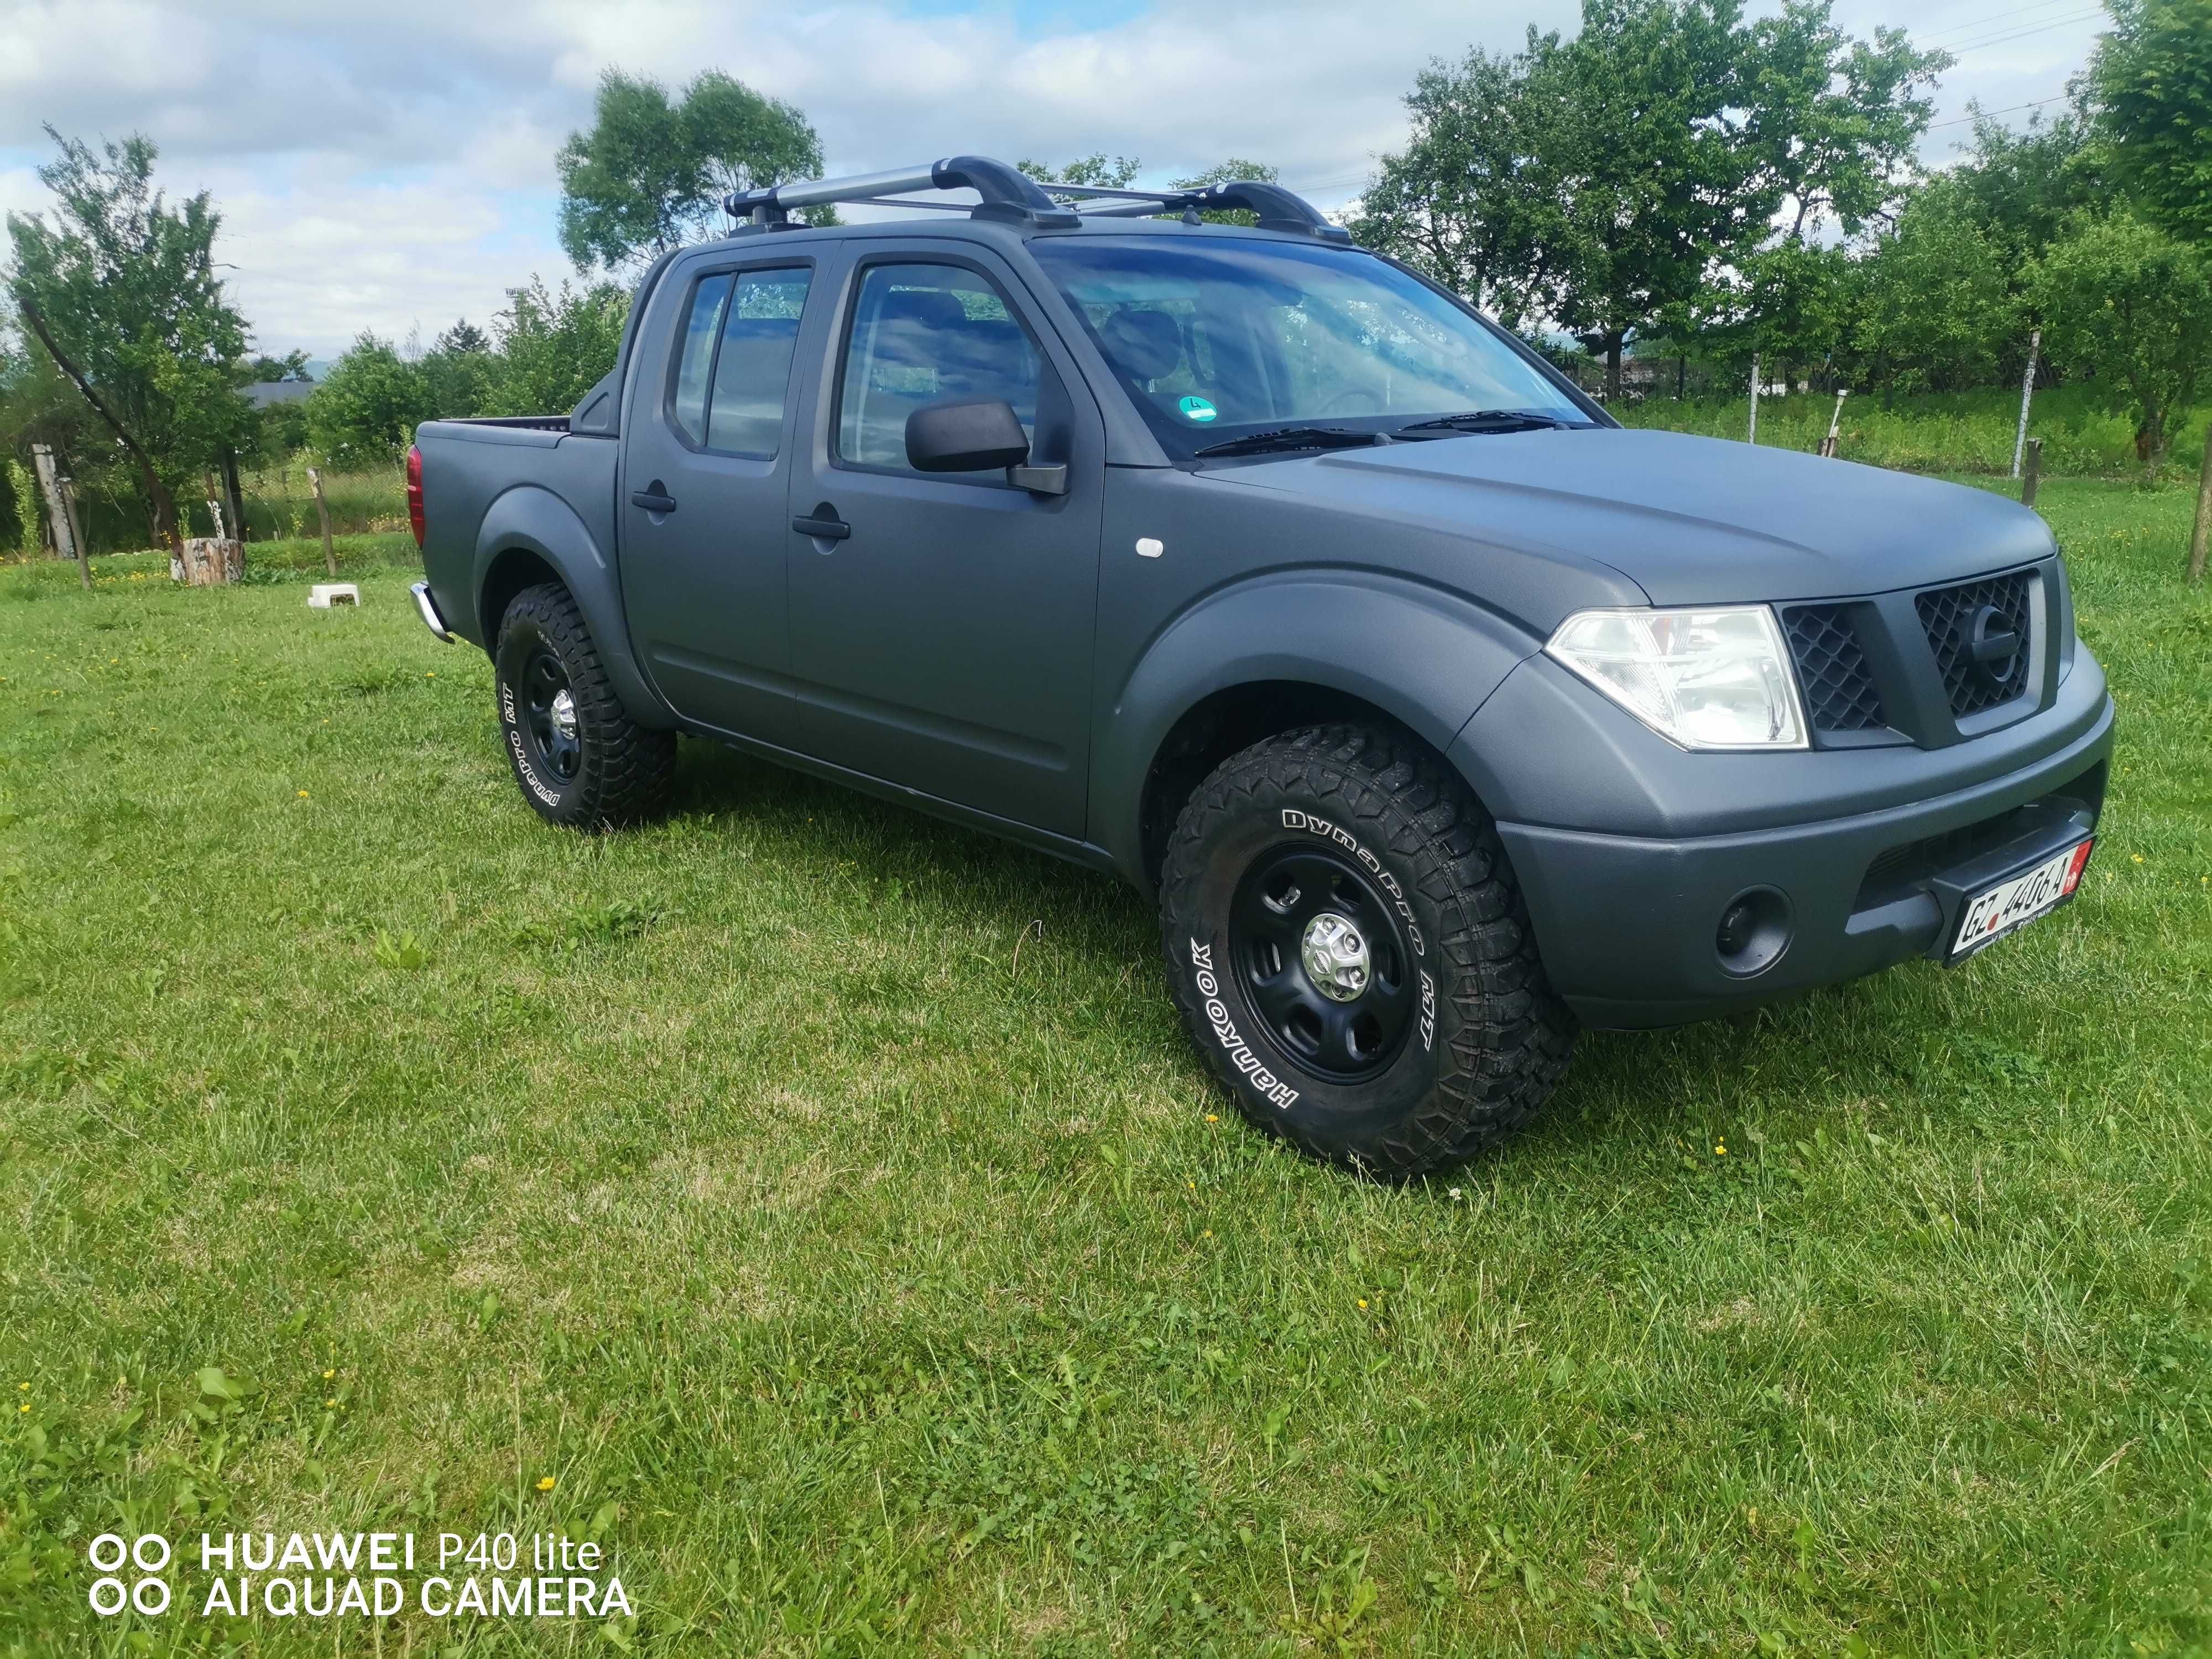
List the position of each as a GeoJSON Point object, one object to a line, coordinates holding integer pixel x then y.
{"type": "Point", "coordinates": [1171, 533]}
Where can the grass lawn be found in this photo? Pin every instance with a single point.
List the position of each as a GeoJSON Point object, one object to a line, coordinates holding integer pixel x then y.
{"type": "Point", "coordinates": [820, 1206]}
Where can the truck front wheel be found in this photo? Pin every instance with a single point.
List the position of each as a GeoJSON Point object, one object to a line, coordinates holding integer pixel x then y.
{"type": "Point", "coordinates": [580, 760]}
{"type": "Point", "coordinates": [1352, 955]}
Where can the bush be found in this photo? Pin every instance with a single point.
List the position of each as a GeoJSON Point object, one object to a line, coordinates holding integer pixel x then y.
{"type": "Point", "coordinates": [365, 414]}
{"type": "Point", "coordinates": [555, 348]}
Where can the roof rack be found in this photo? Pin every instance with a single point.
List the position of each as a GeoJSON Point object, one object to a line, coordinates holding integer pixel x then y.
{"type": "Point", "coordinates": [1012, 197]}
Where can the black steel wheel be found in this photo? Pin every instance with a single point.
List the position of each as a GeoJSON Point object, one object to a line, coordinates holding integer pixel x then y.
{"type": "Point", "coordinates": [1353, 955]}
{"type": "Point", "coordinates": [579, 757]}
{"type": "Point", "coordinates": [1325, 961]}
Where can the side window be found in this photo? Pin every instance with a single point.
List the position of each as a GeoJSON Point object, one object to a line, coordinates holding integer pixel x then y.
{"type": "Point", "coordinates": [733, 361]}
{"type": "Point", "coordinates": [752, 368]}
{"type": "Point", "coordinates": [696, 356]}
{"type": "Point", "coordinates": [923, 335]}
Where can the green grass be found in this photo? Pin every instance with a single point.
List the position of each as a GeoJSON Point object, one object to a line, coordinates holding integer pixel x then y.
{"type": "Point", "coordinates": [1962, 432]}
{"type": "Point", "coordinates": [870, 1290]}
{"type": "Point", "coordinates": [279, 504]}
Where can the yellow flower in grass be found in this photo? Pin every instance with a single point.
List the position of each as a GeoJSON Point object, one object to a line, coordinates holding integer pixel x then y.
{"type": "Point", "coordinates": [545, 1483]}
{"type": "Point", "coordinates": [1363, 1301]}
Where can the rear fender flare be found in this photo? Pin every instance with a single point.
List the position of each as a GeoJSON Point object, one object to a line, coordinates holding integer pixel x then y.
{"type": "Point", "coordinates": [1426, 657]}
{"type": "Point", "coordinates": [536, 519]}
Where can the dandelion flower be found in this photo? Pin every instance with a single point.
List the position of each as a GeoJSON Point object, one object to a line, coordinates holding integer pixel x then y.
{"type": "Point", "coordinates": [545, 1483]}
{"type": "Point", "coordinates": [327, 1376]}
{"type": "Point", "coordinates": [330, 1405]}
{"type": "Point", "coordinates": [25, 1387]}
{"type": "Point", "coordinates": [1208, 1233]}
{"type": "Point", "coordinates": [303, 794]}
{"type": "Point", "coordinates": [1363, 1301]}
{"type": "Point", "coordinates": [1193, 1185]}
{"type": "Point", "coordinates": [1213, 1117]}
{"type": "Point", "coordinates": [2137, 857]}
{"type": "Point", "coordinates": [1720, 1149]}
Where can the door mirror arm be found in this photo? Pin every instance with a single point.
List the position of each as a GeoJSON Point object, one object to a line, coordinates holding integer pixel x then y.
{"type": "Point", "coordinates": [1039, 480]}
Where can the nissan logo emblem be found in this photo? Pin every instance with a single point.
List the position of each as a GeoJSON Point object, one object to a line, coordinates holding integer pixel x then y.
{"type": "Point", "coordinates": [1994, 644]}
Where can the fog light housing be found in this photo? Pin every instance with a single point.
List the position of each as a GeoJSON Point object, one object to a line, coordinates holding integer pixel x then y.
{"type": "Point", "coordinates": [1753, 933]}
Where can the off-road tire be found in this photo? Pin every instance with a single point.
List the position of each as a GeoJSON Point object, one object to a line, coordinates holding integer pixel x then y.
{"type": "Point", "coordinates": [1499, 1038]}
{"type": "Point", "coordinates": [623, 771]}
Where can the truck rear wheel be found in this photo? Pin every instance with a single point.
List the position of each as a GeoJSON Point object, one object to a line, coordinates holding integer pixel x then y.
{"type": "Point", "coordinates": [1352, 955]}
{"type": "Point", "coordinates": [580, 760]}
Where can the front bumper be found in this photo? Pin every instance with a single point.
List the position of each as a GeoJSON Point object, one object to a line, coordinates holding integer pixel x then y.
{"type": "Point", "coordinates": [1627, 923]}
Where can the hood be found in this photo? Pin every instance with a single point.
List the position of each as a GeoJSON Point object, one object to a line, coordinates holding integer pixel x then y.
{"type": "Point", "coordinates": [1690, 520]}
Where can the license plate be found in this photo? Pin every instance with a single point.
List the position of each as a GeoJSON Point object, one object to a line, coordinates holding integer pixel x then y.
{"type": "Point", "coordinates": [1997, 911]}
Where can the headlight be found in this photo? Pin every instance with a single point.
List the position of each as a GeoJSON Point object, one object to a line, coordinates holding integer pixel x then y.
{"type": "Point", "coordinates": [1704, 680]}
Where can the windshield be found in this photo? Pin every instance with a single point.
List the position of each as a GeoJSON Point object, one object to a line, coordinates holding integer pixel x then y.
{"type": "Point", "coordinates": [1226, 338]}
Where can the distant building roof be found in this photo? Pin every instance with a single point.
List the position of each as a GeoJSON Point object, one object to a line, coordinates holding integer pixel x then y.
{"type": "Point", "coordinates": [262, 393]}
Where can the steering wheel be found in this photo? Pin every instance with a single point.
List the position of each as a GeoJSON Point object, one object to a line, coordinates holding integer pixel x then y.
{"type": "Point", "coordinates": [1346, 403]}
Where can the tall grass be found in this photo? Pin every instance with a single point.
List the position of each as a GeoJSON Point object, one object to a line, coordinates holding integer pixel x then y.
{"type": "Point", "coordinates": [1940, 432]}
{"type": "Point", "coordinates": [278, 504]}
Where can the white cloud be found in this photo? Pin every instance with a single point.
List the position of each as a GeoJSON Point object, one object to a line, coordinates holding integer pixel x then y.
{"type": "Point", "coordinates": [380, 166]}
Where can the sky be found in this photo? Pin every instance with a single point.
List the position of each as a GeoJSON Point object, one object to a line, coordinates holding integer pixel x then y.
{"type": "Point", "coordinates": [389, 167]}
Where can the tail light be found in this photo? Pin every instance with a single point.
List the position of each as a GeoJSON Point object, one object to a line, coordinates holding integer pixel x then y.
{"type": "Point", "coordinates": [414, 492]}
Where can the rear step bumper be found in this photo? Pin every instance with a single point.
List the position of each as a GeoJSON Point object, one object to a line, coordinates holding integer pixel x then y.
{"type": "Point", "coordinates": [428, 607]}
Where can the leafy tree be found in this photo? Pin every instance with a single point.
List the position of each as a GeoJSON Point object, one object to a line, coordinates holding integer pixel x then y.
{"type": "Point", "coordinates": [266, 370]}
{"type": "Point", "coordinates": [1832, 123]}
{"type": "Point", "coordinates": [1459, 202]}
{"type": "Point", "coordinates": [461, 370]}
{"type": "Point", "coordinates": [120, 291]}
{"type": "Point", "coordinates": [364, 414]}
{"type": "Point", "coordinates": [2153, 79]}
{"type": "Point", "coordinates": [2021, 188]}
{"type": "Point", "coordinates": [652, 171]}
{"type": "Point", "coordinates": [1093, 169]}
{"type": "Point", "coordinates": [1229, 171]}
{"type": "Point", "coordinates": [554, 348]}
{"type": "Point", "coordinates": [1646, 186]}
{"type": "Point", "coordinates": [2132, 307]}
{"type": "Point", "coordinates": [1937, 308]}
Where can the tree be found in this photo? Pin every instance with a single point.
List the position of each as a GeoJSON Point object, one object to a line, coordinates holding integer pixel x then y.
{"type": "Point", "coordinates": [1456, 202]}
{"type": "Point", "coordinates": [120, 291]}
{"type": "Point", "coordinates": [1233, 171]}
{"type": "Point", "coordinates": [1093, 169]}
{"type": "Point", "coordinates": [364, 414]}
{"type": "Point", "coordinates": [266, 370]}
{"type": "Point", "coordinates": [2153, 79]}
{"type": "Point", "coordinates": [652, 171]}
{"type": "Point", "coordinates": [460, 370]}
{"type": "Point", "coordinates": [1937, 309]}
{"type": "Point", "coordinates": [1833, 122]}
{"type": "Point", "coordinates": [555, 348]}
{"type": "Point", "coordinates": [2125, 303]}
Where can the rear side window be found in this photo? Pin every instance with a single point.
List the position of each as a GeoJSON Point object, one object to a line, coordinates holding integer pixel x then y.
{"type": "Point", "coordinates": [734, 367]}
{"type": "Point", "coordinates": [923, 335]}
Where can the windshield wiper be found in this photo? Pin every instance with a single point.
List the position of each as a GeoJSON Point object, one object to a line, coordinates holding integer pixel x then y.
{"type": "Point", "coordinates": [1292, 437]}
{"type": "Point", "coordinates": [1491, 420]}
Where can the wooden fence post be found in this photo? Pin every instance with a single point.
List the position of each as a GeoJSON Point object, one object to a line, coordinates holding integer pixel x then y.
{"type": "Point", "coordinates": [77, 531]}
{"type": "Point", "coordinates": [1834, 441]}
{"type": "Point", "coordinates": [69, 541]}
{"type": "Point", "coordinates": [1753, 436]}
{"type": "Point", "coordinates": [323, 512]}
{"type": "Point", "coordinates": [2027, 392]}
{"type": "Point", "coordinates": [2204, 531]}
{"type": "Point", "coordinates": [2033, 475]}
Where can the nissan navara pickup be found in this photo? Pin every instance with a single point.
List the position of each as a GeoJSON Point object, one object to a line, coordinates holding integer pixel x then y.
{"type": "Point", "coordinates": [1172, 533]}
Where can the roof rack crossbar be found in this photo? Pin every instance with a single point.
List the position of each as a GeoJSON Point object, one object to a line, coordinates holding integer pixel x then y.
{"type": "Point", "coordinates": [1009, 194]}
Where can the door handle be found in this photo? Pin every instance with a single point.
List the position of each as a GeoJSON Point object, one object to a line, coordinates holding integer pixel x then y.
{"type": "Point", "coordinates": [654, 498]}
{"type": "Point", "coordinates": [824, 524]}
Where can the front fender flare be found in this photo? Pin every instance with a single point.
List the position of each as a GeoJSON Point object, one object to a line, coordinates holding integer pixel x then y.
{"type": "Point", "coordinates": [530, 517]}
{"type": "Point", "coordinates": [1426, 656]}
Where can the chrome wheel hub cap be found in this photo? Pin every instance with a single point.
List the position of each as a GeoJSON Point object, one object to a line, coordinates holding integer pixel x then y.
{"type": "Point", "coordinates": [564, 713]}
{"type": "Point", "coordinates": [1335, 957]}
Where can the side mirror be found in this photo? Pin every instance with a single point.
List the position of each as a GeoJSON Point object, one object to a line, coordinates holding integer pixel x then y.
{"type": "Point", "coordinates": [977, 437]}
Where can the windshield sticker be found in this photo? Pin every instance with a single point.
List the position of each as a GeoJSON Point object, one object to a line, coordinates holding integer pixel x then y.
{"type": "Point", "coordinates": [1196, 408]}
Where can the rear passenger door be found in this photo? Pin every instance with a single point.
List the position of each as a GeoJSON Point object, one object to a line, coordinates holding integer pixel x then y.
{"type": "Point", "coordinates": [942, 628]}
{"type": "Point", "coordinates": [707, 460]}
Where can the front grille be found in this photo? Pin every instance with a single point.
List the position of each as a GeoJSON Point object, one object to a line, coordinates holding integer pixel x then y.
{"type": "Point", "coordinates": [1831, 669]}
{"type": "Point", "coordinates": [1949, 615]}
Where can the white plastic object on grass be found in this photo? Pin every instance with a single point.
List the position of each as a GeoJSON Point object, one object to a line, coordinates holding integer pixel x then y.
{"type": "Point", "coordinates": [323, 595]}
